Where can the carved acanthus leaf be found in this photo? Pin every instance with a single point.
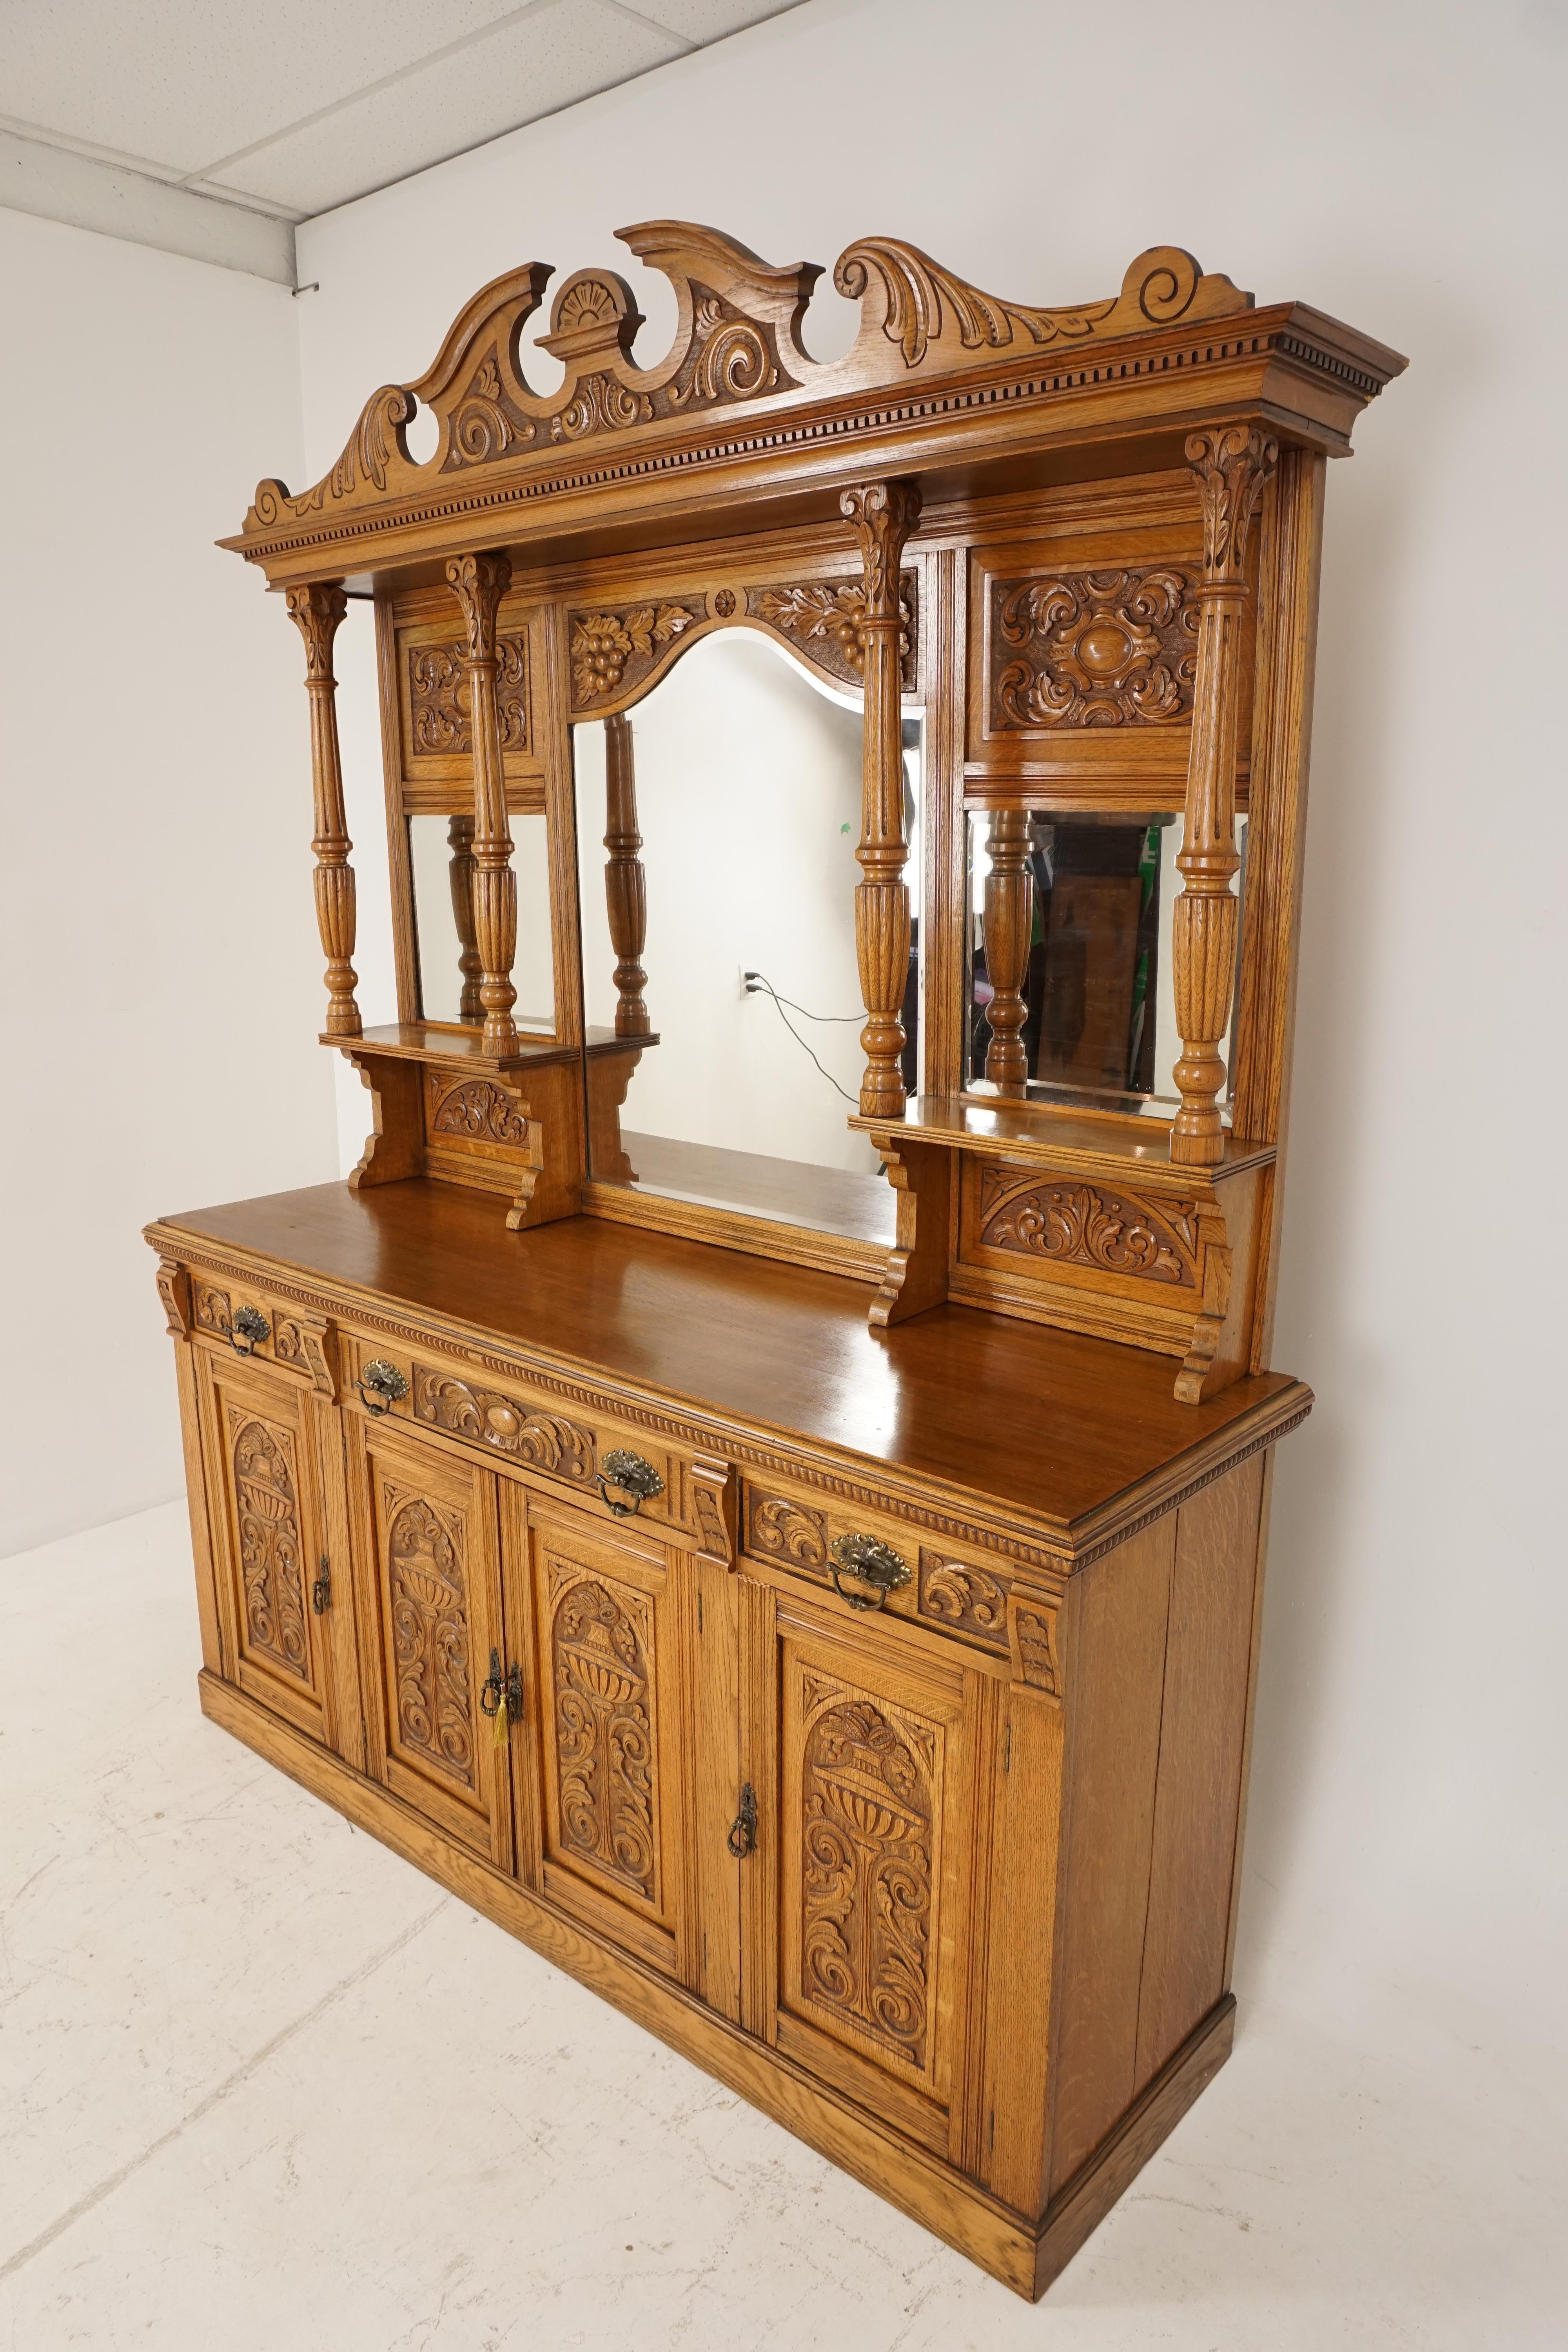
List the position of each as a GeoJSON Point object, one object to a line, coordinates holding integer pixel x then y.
{"type": "Point", "coordinates": [1079, 1225]}
{"type": "Point", "coordinates": [438, 696]}
{"type": "Point", "coordinates": [1232, 465]}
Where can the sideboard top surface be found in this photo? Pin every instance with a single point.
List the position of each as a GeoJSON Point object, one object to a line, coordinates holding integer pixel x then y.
{"type": "Point", "coordinates": [1029, 1417]}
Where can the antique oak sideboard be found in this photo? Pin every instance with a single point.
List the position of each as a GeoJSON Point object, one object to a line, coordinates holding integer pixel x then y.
{"type": "Point", "coordinates": [809, 1589]}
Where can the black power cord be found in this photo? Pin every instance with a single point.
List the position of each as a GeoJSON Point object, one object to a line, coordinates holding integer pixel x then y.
{"type": "Point", "coordinates": [758, 985]}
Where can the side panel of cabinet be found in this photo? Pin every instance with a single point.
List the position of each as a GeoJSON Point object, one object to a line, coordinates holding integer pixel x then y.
{"type": "Point", "coordinates": [428, 1553]}
{"type": "Point", "coordinates": [873, 1753]}
{"type": "Point", "coordinates": [610, 1677]}
{"type": "Point", "coordinates": [265, 1523]}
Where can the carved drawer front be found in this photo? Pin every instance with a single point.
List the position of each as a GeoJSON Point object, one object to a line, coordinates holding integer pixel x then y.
{"type": "Point", "coordinates": [268, 1533]}
{"type": "Point", "coordinates": [880, 1799]}
{"type": "Point", "coordinates": [240, 1317]}
{"type": "Point", "coordinates": [431, 1580]}
{"type": "Point", "coordinates": [951, 1586]}
{"type": "Point", "coordinates": [518, 1426]}
{"type": "Point", "coordinates": [616, 1842]}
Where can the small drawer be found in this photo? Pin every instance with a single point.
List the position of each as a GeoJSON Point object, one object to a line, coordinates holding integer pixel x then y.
{"type": "Point", "coordinates": [528, 1428]}
{"type": "Point", "coordinates": [946, 1586]}
{"type": "Point", "coordinates": [243, 1318]}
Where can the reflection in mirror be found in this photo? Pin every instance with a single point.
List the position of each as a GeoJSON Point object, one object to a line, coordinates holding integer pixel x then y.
{"type": "Point", "coordinates": [1070, 988]}
{"type": "Point", "coordinates": [441, 873]}
{"type": "Point", "coordinates": [728, 803]}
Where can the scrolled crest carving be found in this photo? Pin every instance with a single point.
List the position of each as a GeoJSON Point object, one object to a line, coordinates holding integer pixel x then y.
{"type": "Point", "coordinates": [1082, 1224]}
{"type": "Point", "coordinates": [737, 342]}
{"type": "Point", "coordinates": [1093, 649]}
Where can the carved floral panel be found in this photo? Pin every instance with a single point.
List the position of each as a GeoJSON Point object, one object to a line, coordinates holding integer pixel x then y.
{"type": "Point", "coordinates": [822, 617]}
{"type": "Point", "coordinates": [778, 1528]}
{"type": "Point", "coordinates": [601, 1642]}
{"type": "Point", "coordinates": [477, 1110]}
{"type": "Point", "coordinates": [611, 649]}
{"type": "Point", "coordinates": [967, 1599]}
{"type": "Point", "coordinates": [869, 1787]}
{"type": "Point", "coordinates": [1093, 649]}
{"type": "Point", "coordinates": [429, 1613]}
{"type": "Point", "coordinates": [1080, 1224]}
{"type": "Point", "coordinates": [548, 1441]}
{"type": "Point", "coordinates": [271, 1565]}
{"type": "Point", "coordinates": [438, 697]}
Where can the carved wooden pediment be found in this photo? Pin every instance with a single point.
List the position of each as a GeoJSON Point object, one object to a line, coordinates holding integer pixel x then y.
{"type": "Point", "coordinates": [736, 343]}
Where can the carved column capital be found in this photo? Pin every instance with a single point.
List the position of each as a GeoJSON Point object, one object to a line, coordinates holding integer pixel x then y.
{"type": "Point", "coordinates": [317, 610]}
{"type": "Point", "coordinates": [883, 514]}
{"type": "Point", "coordinates": [1232, 463]}
{"type": "Point", "coordinates": [478, 584]}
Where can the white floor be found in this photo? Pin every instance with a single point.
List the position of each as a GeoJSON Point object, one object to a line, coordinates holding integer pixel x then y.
{"type": "Point", "coordinates": [262, 2085]}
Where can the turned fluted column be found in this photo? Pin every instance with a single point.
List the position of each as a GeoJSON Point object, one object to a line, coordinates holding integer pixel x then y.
{"type": "Point", "coordinates": [1232, 463]}
{"type": "Point", "coordinates": [1009, 925]}
{"type": "Point", "coordinates": [883, 514]}
{"type": "Point", "coordinates": [626, 882]}
{"type": "Point", "coordinates": [478, 584]}
{"type": "Point", "coordinates": [318, 610]}
{"type": "Point", "coordinates": [460, 879]}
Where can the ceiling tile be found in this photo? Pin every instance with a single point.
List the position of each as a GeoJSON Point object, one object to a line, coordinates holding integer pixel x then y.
{"type": "Point", "coordinates": [709, 20]}
{"type": "Point", "coordinates": [550, 57]}
{"type": "Point", "coordinates": [185, 84]}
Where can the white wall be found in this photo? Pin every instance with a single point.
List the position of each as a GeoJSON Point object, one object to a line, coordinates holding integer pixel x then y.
{"type": "Point", "coordinates": [1399, 168]}
{"type": "Point", "coordinates": [161, 975]}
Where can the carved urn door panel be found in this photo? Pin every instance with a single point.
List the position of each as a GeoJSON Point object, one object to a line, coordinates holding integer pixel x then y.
{"type": "Point", "coordinates": [430, 1602]}
{"type": "Point", "coordinates": [256, 1434]}
{"type": "Point", "coordinates": [871, 1753]}
{"type": "Point", "coordinates": [611, 1618]}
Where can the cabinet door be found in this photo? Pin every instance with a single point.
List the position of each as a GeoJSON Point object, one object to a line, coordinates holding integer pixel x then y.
{"type": "Point", "coordinates": [268, 1537]}
{"type": "Point", "coordinates": [871, 1748]}
{"type": "Point", "coordinates": [612, 1624]}
{"type": "Point", "coordinates": [430, 1610]}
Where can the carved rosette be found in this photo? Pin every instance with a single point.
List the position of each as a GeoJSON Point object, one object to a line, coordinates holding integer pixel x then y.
{"type": "Point", "coordinates": [438, 700]}
{"type": "Point", "coordinates": [1084, 1224]}
{"type": "Point", "coordinates": [429, 1614]}
{"type": "Point", "coordinates": [867, 1780]}
{"type": "Point", "coordinates": [267, 1511]}
{"type": "Point", "coordinates": [601, 1640]}
{"type": "Point", "coordinates": [1093, 649]}
{"type": "Point", "coordinates": [546, 1441]}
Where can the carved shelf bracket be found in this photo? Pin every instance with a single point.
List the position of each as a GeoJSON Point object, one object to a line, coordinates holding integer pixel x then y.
{"type": "Point", "coordinates": [317, 612]}
{"type": "Point", "coordinates": [883, 514]}
{"type": "Point", "coordinates": [1232, 463]}
{"type": "Point", "coordinates": [478, 584]}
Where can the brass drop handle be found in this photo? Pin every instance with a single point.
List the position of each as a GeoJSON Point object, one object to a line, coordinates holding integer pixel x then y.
{"type": "Point", "coordinates": [248, 1330]}
{"type": "Point", "coordinates": [871, 1562]}
{"type": "Point", "coordinates": [742, 1838]}
{"type": "Point", "coordinates": [381, 1385]}
{"type": "Point", "coordinates": [501, 1698]}
{"type": "Point", "coordinates": [632, 1475]}
{"type": "Point", "coordinates": [321, 1591]}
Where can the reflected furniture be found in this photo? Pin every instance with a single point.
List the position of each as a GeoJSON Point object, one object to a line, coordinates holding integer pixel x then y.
{"type": "Point", "coordinates": [833, 1639]}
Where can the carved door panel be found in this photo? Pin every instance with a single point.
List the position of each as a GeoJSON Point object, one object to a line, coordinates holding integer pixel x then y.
{"type": "Point", "coordinates": [871, 1753]}
{"type": "Point", "coordinates": [256, 1437]}
{"type": "Point", "coordinates": [612, 1620]}
{"type": "Point", "coordinates": [430, 1604]}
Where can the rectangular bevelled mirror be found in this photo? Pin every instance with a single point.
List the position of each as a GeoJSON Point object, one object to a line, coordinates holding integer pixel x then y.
{"type": "Point", "coordinates": [1089, 995]}
{"type": "Point", "coordinates": [446, 957]}
{"type": "Point", "coordinates": [728, 799]}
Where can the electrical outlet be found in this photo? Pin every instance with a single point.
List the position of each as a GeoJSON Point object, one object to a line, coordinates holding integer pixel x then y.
{"type": "Point", "coordinates": [751, 983]}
